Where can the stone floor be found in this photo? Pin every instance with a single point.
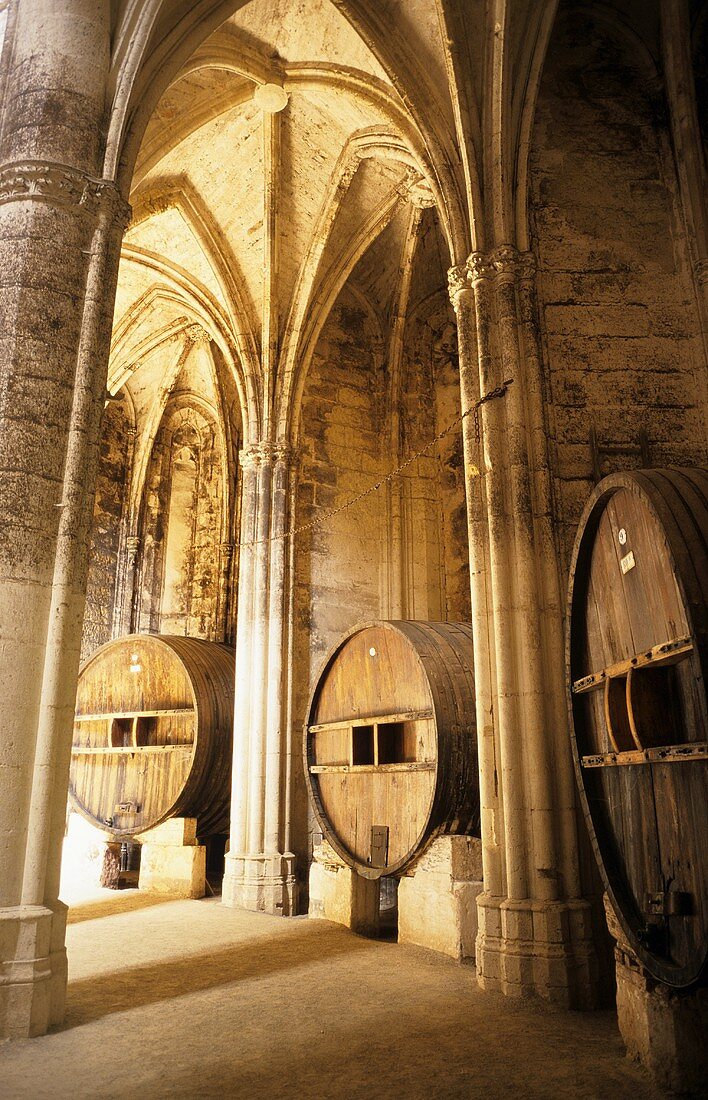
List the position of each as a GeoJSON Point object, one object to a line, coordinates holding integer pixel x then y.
{"type": "Point", "coordinates": [190, 999]}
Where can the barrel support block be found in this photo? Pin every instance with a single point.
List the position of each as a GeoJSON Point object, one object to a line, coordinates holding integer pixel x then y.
{"type": "Point", "coordinates": [437, 897]}
{"type": "Point", "coordinates": [537, 948]}
{"type": "Point", "coordinates": [171, 861]}
{"type": "Point", "coordinates": [662, 1028]}
{"type": "Point", "coordinates": [33, 969]}
{"type": "Point", "coordinates": [339, 894]}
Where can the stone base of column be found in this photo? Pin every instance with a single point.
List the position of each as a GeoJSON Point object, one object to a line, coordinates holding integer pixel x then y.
{"type": "Point", "coordinates": [662, 1028]}
{"type": "Point", "coordinates": [171, 861]}
{"type": "Point", "coordinates": [341, 895]}
{"type": "Point", "coordinates": [437, 897]}
{"type": "Point", "coordinates": [262, 883]}
{"type": "Point", "coordinates": [32, 970]}
{"type": "Point", "coordinates": [58, 964]}
{"type": "Point", "coordinates": [535, 948]}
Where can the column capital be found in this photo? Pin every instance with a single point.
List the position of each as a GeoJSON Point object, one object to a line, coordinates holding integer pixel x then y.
{"type": "Point", "coordinates": [506, 261]}
{"type": "Point", "coordinates": [419, 193]}
{"type": "Point", "coordinates": [197, 334]}
{"type": "Point", "coordinates": [264, 452]}
{"type": "Point", "coordinates": [457, 280]}
{"type": "Point", "coordinates": [62, 185]}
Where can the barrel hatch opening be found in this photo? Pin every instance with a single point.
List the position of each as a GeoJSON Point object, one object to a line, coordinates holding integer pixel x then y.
{"type": "Point", "coordinates": [121, 732]}
{"type": "Point", "coordinates": [363, 744]}
{"type": "Point", "coordinates": [145, 728]}
{"type": "Point", "coordinates": [392, 745]}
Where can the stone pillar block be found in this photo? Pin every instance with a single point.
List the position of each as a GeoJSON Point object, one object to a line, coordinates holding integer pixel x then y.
{"type": "Point", "coordinates": [437, 898]}
{"type": "Point", "coordinates": [26, 984]}
{"type": "Point", "coordinates": [540, 948]}
{"type": "Point", "coordinates": [58, 965]}
{"type": "Point", "coordinates": [262, 884]}
{"type": "Point", "coordinates": [341, 895]}
{"type": "Point", "coordinates": [171, 861]}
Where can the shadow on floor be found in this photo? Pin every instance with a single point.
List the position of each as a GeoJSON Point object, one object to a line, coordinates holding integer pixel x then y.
{"type": "Point", "coordinates": [113, 904]}
{"type": "Point", "coordinates": [90, 999]}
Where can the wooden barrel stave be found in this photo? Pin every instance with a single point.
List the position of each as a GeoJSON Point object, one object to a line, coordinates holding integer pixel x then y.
{"type": "Point", "coordinates": [420, 669]}
{"type": "Point", "coordinates": [212, 674]}
{"type": "Point", "coordinates": [647, 819]}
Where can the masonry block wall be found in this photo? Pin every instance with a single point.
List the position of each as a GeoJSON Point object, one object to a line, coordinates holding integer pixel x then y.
{"type": "Point", "coordinates": [431, 402]}
{"type": "Point", "coordinates": [617, 300]}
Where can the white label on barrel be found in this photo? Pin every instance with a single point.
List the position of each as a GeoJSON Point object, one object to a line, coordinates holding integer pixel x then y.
{"type": "Point", "coordinates": [628, 562]}
{"type": "Point", "coordinates": [622, 536]}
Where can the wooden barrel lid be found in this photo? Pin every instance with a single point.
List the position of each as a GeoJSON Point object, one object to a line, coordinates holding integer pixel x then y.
{"type": "Point", "coordinates": [389, 696]}
{"type": "Point", "coordinates": [637, 653]}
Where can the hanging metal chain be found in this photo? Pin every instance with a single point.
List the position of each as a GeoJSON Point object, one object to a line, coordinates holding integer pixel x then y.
{"type": "Point", "coordinates": [322, 519]}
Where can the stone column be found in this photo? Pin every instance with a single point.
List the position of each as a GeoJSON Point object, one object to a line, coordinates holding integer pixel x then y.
{"type": "Point", "coordinates": [680, 89]}
{"type": "Point", "coordinates": [58, 257]}
{"type": "Point", "coordinates": [534, 929]}
{"type": "Point", "coordinates": [259, 870]}
{"type": "Point", "coordinates": [125, 602]}
{"type": "Point", "coordinates": [223, 614]}
{"type": "Point", "coordinates": [63, 650]}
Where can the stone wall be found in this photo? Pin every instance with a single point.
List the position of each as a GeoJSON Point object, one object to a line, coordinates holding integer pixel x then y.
{"type": "Point", "coordinates": [338, 564]}
{"type": "Point", "coordinates": [617, 302]}
{"type": "Point", "coordinates": [431, 402]}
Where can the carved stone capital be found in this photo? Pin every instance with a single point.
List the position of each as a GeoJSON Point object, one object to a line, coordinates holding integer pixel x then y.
{"type": "Point", "coordinates": [420, 194]}
{"type": "Point", "coordinates": [197, 334]}
{"type": "Point", "coordinates": [259, 454]}
{"type": "Point", "coordinates": [348, 172]}
{"type": "Point", "coordinates": [505, 262]}
{"type": "Point", "coordinates": [458, 279]}
{"type": "Point", "coordinates": [62, 185]}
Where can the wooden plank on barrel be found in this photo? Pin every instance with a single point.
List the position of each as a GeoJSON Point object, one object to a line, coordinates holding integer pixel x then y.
{"type": "Point", "coordinates": [681, 791]}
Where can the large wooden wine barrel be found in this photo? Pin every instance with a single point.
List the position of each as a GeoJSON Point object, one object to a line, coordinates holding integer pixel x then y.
{"type": "Point", "coordinates": [637, 664]}
{"type": "Point", "coordinates": [153, 732]}
{"type": "Point", "coordinates": [391, 742]}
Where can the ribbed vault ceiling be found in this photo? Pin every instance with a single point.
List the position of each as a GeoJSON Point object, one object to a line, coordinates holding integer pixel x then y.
{"type": "Point", "coordinates": [250, 223]}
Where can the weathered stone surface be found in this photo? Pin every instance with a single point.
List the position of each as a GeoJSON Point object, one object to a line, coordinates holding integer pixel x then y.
{"type": "Point", "coordinates": [174, 869]}
{"type": "Point", "coordinates": [338, 894]}
{"type": "Point", "coordinates": [662, 1028]}
{"type": "Point", "coordinates": [110, 867]}
{"type": "Point", "coordinates": [437, 900]}
{"type": "Point", "coordinates": [617, 305]}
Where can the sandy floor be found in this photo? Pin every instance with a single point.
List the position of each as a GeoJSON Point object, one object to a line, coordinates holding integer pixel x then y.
{"type": "Point", "coordinates": [190, 999]}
